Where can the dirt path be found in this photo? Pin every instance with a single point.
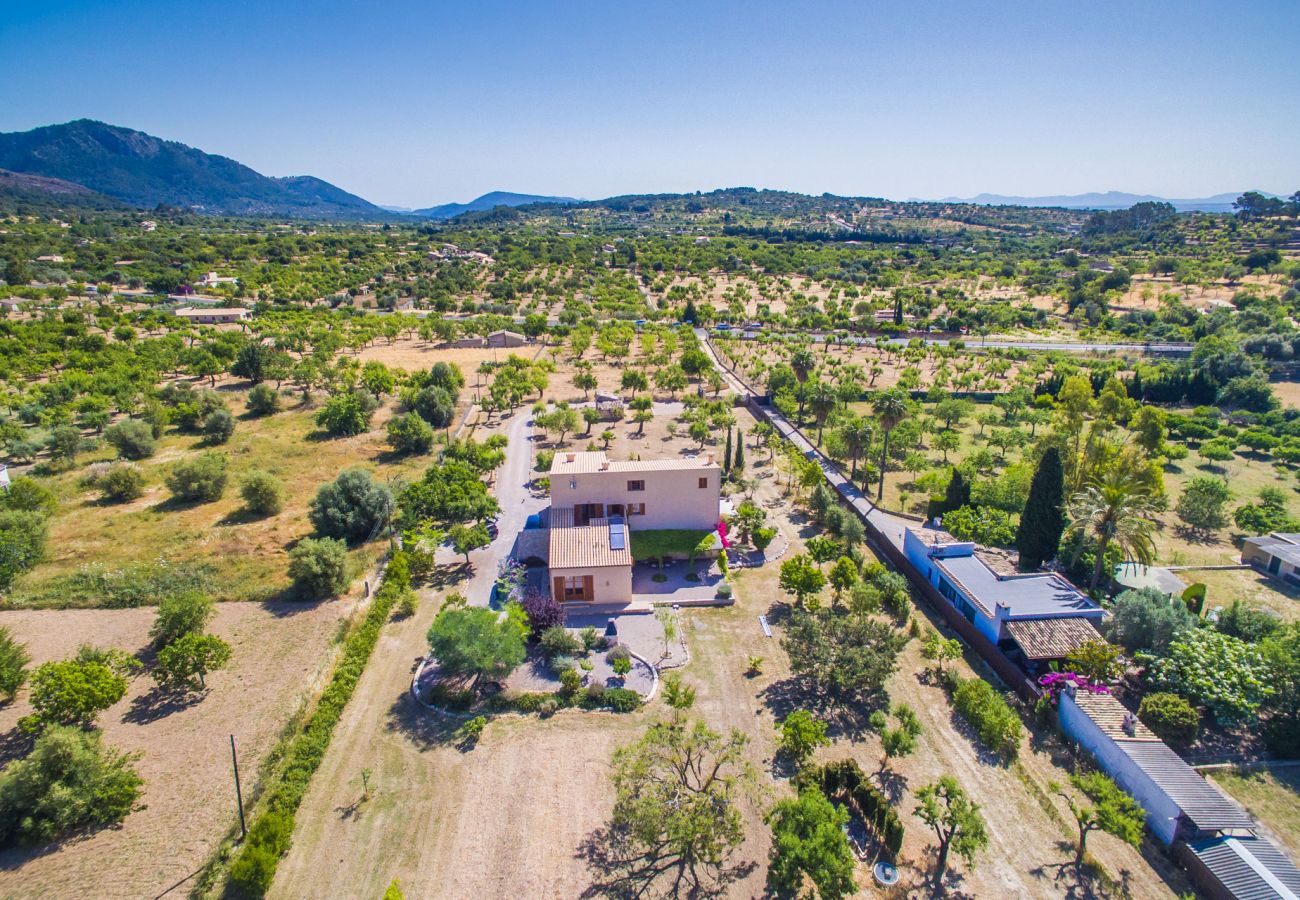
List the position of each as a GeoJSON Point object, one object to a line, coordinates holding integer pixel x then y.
{"type": "Point", "coordinates": [280, 653]}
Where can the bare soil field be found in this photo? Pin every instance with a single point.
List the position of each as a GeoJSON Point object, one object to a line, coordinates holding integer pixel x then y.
{"type": "Point", "coordinates": [280, 652]}
{"type": "Point", "coordinates": [413, 354]}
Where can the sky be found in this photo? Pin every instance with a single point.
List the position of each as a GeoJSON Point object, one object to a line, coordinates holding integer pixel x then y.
{"type": "Point", "coordinates": [418, 103]}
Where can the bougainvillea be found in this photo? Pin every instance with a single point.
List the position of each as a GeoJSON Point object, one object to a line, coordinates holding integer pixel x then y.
{"type": "Point", "coordinates": [1053, 682]}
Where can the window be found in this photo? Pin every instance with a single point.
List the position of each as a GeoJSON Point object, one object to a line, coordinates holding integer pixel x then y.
{"type": "Point", "coordinates": [574, 587]}
{"type": "Point", "coordinates": [704, 482]}
{"type": "Point", "coordinates": [636, 509]}
{"type": "Point", "coordinates": [636, 486]}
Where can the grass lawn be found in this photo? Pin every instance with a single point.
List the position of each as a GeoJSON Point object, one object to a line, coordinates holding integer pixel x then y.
{"type": "Point", "coordinates": [1272, 795]}
{"type": "Point", "coordinates": [246, 556]}
{"type": "Point", "coordinates": [665, 542]}
{"type": "Point", "coordinates": [1253, 588]}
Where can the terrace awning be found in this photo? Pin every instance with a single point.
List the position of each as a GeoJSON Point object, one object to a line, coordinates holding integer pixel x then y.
{"type": "Point", "coordinates": [1051, 638]}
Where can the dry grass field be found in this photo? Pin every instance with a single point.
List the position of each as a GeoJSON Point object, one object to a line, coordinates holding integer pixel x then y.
{"type": "Point", "coordinates": [280, 653]}
{"type": "Point", "coordinates": [248, 555]}
{"type": "Point", "coordinates": [1272, 795]}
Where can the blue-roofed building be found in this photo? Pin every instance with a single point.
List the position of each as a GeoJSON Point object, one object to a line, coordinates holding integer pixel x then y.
{"type": "Point", "coordinates": [1034, 617]}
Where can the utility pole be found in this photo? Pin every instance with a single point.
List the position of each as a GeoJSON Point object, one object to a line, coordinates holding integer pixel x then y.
{"type": "Point", "coordinates": [239, 794]}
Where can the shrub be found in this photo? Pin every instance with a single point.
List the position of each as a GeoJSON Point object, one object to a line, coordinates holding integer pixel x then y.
{"type": "Point", "coordinates": [29, 495]}
{"type": "Point", "coordinates": [13, 664]}
{"type": "Point", "coordinates": [201, 479]}
{"type": "Point", "coordinates": [983, 524]}
{"type": "Point", "coordinates": [179, 615]}
{"type": "Point", "coordinates": [345, 415]}
{"type": "Point", "coordinates": [1170, 716]}
{"type": "Point", "coordinates": [801, 734]}
{"type": "Point", "coordinates": [69, 781]}
{"type": "Point", "coordinates": [433, 404]}
{"type": "Point", "coordinates": [596, 694]}
{"type": "Point", "coordinates": [184, 664]}
{"type": "Point", "coordinates": [319, 567]}
{"type": "Point", "coordinates": [622, 699]}
{"type": "Point", "coordinates": [622, 665]}
{"type": "Point", "coordinates": [724, 591]}
{"type": "Point", "coordinates": [617, 652]}
{"type": "Point", "coordinates": [263, 400]}
{"type": "Point", "coordinates": [562, 663]}
{"type": "Point", "coordinates": [529, 702]}
{"type": "Point", "coordinates": [408, 433]}
{"type": "Point", "coordinates": [1148, 619]}
{"type": "Point", "coordinates": [218, 427]}
{"type": "Point", "coordinates": [131, 438]}
{"type": "Point", "coordinates": [763, 537]}
{"type": "Point", "coordinates": [1228, 675]}
{"type": "Point", "coordinates": [122, 483]}
{"type": "Point", "coordinates": [558, 640]}
{"type": "Point", "coordinates": [470, 731]}
{"type": "Point", "coordinates": [408, 601]}
{"type": "Point", "coordinates": [570, 681]}
{"type": "Point", "coordinates": [22, 543]}
{"type": "Point", "coordinates": [591, 639]}
{"type": "Point", "coordinates": [998, 725]}
{"type": "Point", "coordinates": [263, 493]}
{"type": "Point", "coordinates": [72, 692]}
{"type": "Point", "coordinates": [543, 611]}
{"type": "Point", "coordinates": [353, 506]}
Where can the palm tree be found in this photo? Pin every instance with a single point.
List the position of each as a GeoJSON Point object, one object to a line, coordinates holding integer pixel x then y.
{"type": "Point", "coordinates": [857, 438]}
{"type": "Point", "coordinates": [1117, 505]}
{"type": "Point", "coordinates": [823, 401]}
{"type": "Point", "coordinates": [890, 407]}
{"type": "Point", "coordinates": [803, 362]}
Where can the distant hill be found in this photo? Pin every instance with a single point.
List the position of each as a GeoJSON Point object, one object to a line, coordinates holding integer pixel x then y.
{"type": "Point", "coordinates": [145, 171]}
{"type": "Point", "coordinates": [1107, 200]}
{"type": "Point", "coordinates": [20, 191]}
{"type": "Point", "coordinates": [487, 201]}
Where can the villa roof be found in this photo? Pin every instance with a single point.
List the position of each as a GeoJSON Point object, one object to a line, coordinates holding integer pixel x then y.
{"type": "Point", "coordinates": [1025, 596]}
{"type": "Point", "coordinates": [586, 462]}
{"type": "Point", "coordinates": [588, 546]}
{"type": "Point", "coordinates": [1284, 546]}
{"type": "Point", "coordinates": [1052, 638]}
{"type": "Point", "coordinates": [1250, 868]}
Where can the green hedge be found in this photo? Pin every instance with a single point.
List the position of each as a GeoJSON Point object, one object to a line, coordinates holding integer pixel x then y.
{"type": "Point", "coordinates": [999, 727]}
{"type": "Point", "coordinates": [269, 836]}
{"type": "Point", "coordinates": [845, 781]}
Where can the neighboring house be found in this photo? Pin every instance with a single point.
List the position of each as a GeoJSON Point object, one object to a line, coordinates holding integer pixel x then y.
{"type": "Point", "coordinates": [214, 315]}
{"type": "Point", "coordinates": [1180, 804]}
{"type": "Point", "coordinates": [596, 503]}
{"type": "Point", "coordinates": [1210, 834]}
{"type": "Point", "coordinates": [4, 477]}
{"type": "Point", "coordinates": [52, 258]}
{"type": "Point", "coordinates": [472, 341]}
{"type": "Point", "coordinates": [1277, 554]}
{"type": "Point", "coordinates": [1036, 617]}
{"type": "Point", "coordinates": [505, 338]}
{"type": "Point", "coordinates": [212, 278]}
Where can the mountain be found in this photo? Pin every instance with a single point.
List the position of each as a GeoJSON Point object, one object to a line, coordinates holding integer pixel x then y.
{"type": "Point", "coordinates": [1107, 200]}
{"type": "Point", "coordinates": [487, 201]}
{"type": "Point", "coordinates": [145, 171]}
{"type": "Point", "coordinates": [22, 192]}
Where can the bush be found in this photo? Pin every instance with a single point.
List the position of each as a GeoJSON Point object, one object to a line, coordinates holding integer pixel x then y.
{"type": "Point", "coordinates": [562, 663]}
{"type": "Point", "coordinates": [983, 524]}
{"type": "Point", "coordinates": [201, 479]}
{"type": "Point", "coordinates": [595, 694]}
{"type": "Point", "coordinates": [570, 681]}
{"type": "Point", "coordinates": [529, 702]}
{"type": "Point", "coordinates": [13, 664]}
{"type": "Point", "coordinates": [29, 495]}
{"type": "Point", "coordinates": [22, 543]}
{"type": "Point", "coordinates": [72, 692]}
{"type": "Point", "coordinates": [557, 640]}
{"type": "Point", "coordinates": [263, 493]}
{"type": "Point", "coordinates": [345, 415]}
{"type": "Point", "coordinates": [1171, 717]}
{"type": "Point", "coordinates": [121, 483]}
{"type": "Point", "coordinates": [1148, 619]}
{"type": "Point", "coordinates": [263, 400]}
{"type": "Point", "coordinates": [846, 781]}
{"type": "Point", "coordinates": [617, 652]}
{"type": "Point", "coordinates": [622, 699]}
{"type": "Point", "coordinates": [353, 507]}
{"type": "Point", "coordinates": [763, 537]}
{"type": "Point", "coordinates": [408, 433]}
{"type": "Point", "coordinates": [433, 404]}
{"type": "Point", "coordinates": [999, 727]}
{"type": "Point", "coordinates": [180, 615]}
{"type": "Point", "coordinates": [131, 438]}
{"type": "Point", "coordinates": [543, 611]}
{"type": "Point", "coordinates": [218, 427]}
{"type": "Point", "coordinates": [69, 781]}
{"type": "Point", "coordinates": [184, 664]}
{"type": "Point", "coordinates": [1228, 675]}
{"type": "Point", "coordinates": [319, 567]}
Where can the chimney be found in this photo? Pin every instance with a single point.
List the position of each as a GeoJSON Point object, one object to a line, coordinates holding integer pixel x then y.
{"type": "Point", "coordinates": [1130, 724]}
{"type": "Point", "coordinates": [570, 457]}
{"type": "Point", "coordinates": [604, 465]}
{"type": "Point", "coordinates": [710, 459]}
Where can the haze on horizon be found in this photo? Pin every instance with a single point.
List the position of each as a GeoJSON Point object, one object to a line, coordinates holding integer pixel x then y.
{"type": "Point", "coordinates": [413, 104]}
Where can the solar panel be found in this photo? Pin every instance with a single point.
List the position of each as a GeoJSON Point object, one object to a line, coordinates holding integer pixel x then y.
{"type": "Point", "coordinates": [616, 541]}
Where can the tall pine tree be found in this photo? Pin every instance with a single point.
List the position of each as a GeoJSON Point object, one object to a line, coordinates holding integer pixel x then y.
{"type": "Point", "coordinates": [738, 461]}
{"type": "Point", "coordinates": [726, 457]}
{"type": "Point", "coordinates": [1043, 519]}
{"type": "Point", "coordinates": [958, 493]}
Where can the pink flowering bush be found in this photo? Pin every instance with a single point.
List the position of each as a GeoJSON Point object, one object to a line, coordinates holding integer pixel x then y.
{"type": "Point", "coordinates": [1053, 682]}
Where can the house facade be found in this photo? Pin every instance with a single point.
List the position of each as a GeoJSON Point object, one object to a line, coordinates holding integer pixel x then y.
{"type": "Point", "coordinates": [596, 505]}
{"type": "Point", "coordinates": [1036, 617]}
{"type": "Point", "coordinates": [1278, 554]}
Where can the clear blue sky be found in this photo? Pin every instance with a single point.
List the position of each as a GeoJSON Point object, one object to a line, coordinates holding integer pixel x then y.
{"type": "Point", "coordinates": [415, 103]}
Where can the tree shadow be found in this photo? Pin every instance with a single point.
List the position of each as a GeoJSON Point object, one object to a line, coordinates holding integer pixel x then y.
{"type": "Point", "coordinates": [15, 744]}
{"type": "Point", "coordinates": [288, 602]}
{"type": "Point", "coordinates": [621, 870]}
{"type": "Point", "coordinates": [947, 886]}
{"type": "Point", "coordinates": [158, 704]}
{"type": "Point", "coordinates": [1080, 881]}
{"type": "Point", "coordinates": [892, 784]}
{"type": "Point", "coordinates": [241, 516]}
{"type": "Point", "coordinates": [427, 729]}
{"type": "Point", "coordinates": [985, 756]}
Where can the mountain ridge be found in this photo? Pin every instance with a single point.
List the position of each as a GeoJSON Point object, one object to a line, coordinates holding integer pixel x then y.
{"type": "Point", "coordinates": [490, 200]}
{"type": "Point", "coordinates": [146, 171]}
{"type": "Point", "coordinates": [1107, 200]}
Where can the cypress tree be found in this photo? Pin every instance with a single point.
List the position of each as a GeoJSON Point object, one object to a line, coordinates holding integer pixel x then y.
{"type": "Point", "coordinates": [958, 493]}
{"type": "Point", "coordinates": [726, 457]}
{"type": "Point", "coordinates": [1043, 519]}
{"type": "Point", "coordinates": [738, 461]}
